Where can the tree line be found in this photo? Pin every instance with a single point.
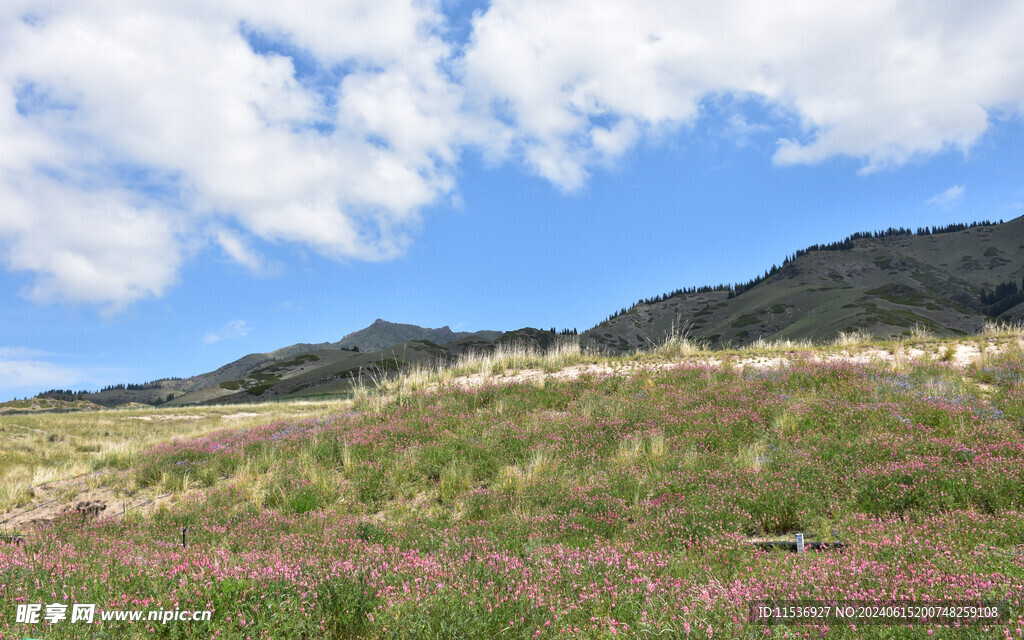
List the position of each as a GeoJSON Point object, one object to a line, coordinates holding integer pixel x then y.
{"type": "Point", "coordinates": [68, 394]}
{"type": "Point", "coordinates": [564, 332]}
{"type": "Point", "coordinates": [1006, 296]}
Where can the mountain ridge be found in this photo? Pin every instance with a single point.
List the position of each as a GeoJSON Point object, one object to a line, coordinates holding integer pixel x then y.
{"type": "Point", "coordinates": [382, 334]}
{"type": "Point", "coordinates": [885, 284]}
{"type": "Point", "coordinates": [948, 280]}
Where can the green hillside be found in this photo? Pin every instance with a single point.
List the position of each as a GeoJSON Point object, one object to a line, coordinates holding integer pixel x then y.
{"type": "Point", "coordinates": [948, 281]}
{"type": "Point", "coordinates": [332, 371]}
{"type": "Point", "coordinates": [309, 370]}
{"type": "Point", "coordinates": [882, 285]}
{"type": "Point", "coordinates": [294, 371]}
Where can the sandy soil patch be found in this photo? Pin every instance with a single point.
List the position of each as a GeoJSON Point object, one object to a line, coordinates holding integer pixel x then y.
{"type": "Point", "coordinates": [964, 354]}
{"type": "Point", "coordinates": [170, 417]}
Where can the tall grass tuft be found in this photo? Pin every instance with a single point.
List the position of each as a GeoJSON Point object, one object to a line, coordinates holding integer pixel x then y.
{"type": "Point", "coordinates": [1003, 329]}
{"type": "Point", "coordinates": [629, 451]}
{"type": "Point", "coordinates": [752, 456]}
{"type": "Point", "coordinates": [856, 338]}
{"type": "Point", "coordinates": [455, 480]}
{"type": "Point", "coordinates": [677, 344]}
{"type": "Point", "coordinates": [656, 446]}
{"type": "Point", "coordinates": [763, 345]}
{"type": "Point", "coordinates": [517, 357]}
{"type": "Point", "coordinates": [920, 333]}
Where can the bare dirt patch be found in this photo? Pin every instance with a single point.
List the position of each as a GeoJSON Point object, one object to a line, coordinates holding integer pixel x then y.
{"type": "Point", "coordinates": [76, 498]}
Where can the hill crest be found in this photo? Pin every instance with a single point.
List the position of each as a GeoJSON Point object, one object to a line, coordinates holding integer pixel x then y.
{"type": "Point", "coordinates": [948, 280]}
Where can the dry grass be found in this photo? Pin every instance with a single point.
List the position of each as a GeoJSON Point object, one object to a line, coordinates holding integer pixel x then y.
{"type": "Point", "coordinates": [856, 338]}
{"type": "Point", "coordinates": [677, 344]}
{"type": "Point", "coordinates": [992, 354]}
{"type": "Point", "coordinates": [656, 447]}
{"type": "Point", "coordinates": [39, 448]}
{"type": "Point", "coordinates": [762, 345]}
{"type": "Point", "coordinates": [650, 449]}
{"type": "Point", "coordinates": [630, 450]}
{"type": "Point", "coordinates": [1000, 329]}
{"type": "Point", "coordinates": [786, 424]}
{"type": "Point", "coordinates": [503, 360]}
{"type": "Point", "coordinates": [506, 359]}
{"type": "Point", "coordinates": [920, 334]}
{"type": "Point", "coordinates": [752, 457]}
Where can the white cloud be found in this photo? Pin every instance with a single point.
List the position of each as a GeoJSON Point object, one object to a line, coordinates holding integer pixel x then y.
{"type": "Point", "coordinates": [8, 353]}
{"type": "Point", "coordinates": [879, 81]}
{"type": "Point", "coordinates": [124, 130]}
{"type": "Point", "coordinates": [238, 250]}
{"type": "Point", "coordinates": [36, 374]}
{"type": "Point", "coordinates": [87, 246]}
{"type": "Point", "coordinates": [233, 329]}
{"type": "Point", "coordinates": [949, 197]}
{"type": "Point", "coordinates": [25, 371]}
{"type": "Point", "coordinates": [741, 131]}
{"type": "Point", "coordinates": [132, 136]}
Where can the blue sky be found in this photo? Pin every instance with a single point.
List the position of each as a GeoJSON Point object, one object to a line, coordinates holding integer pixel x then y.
{"type": "Point", "coordinates": [182, 187]}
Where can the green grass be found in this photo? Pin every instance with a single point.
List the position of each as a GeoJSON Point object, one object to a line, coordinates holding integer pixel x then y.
{"type": "Point", "coordinates": [618, 500]}
{"type": "Point", "coordinates": [745, 320]}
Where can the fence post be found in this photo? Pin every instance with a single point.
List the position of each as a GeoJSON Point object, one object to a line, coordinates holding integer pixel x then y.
{"type": "Point", "coordinates": [799, 543]}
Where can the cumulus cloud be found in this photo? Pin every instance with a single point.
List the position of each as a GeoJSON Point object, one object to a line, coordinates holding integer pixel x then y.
{"type": "Point", "coordinates": [134, 135]}
{"type": "Point", "coordinates": [233, 329]}
{"type": "Point", "coordinates": [949, 197]}
{"type": "Point", "coordinates": [124, 129]}
{"type": "Point", "coordinates": [881, 82]}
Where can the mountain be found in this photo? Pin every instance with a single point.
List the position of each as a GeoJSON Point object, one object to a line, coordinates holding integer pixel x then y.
{"type": "Point", "coordinates": [529, 337]}
{"type": "Point", "coordinates": [331, 370]}
{"type": "Point", "coordinates": [383, 334]}
{"type": "Point", "coordinates": [948, 281]}
{"type": "Point", "coordinates": [304, 369]}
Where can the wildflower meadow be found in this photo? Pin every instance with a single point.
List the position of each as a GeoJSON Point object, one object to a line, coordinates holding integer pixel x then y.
{"type": "Point", "coordinates": [604, 506]}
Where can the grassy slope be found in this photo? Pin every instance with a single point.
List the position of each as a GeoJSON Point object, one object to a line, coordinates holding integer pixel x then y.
{"type": "Point", "coordinates": [37, 448]}
{"type": "Point", "coordinates": [269, 373]}
{"type": "Point", "coordinates": [31, 405]}
{"type": "Point", "coordinates": [335, 372]}
{"type": "Point", "coordinates": [885, 286]}
{"type": "Point", "coordinates": [608, 506]}
{"type": "Point", "coordinates": [317, 373]}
